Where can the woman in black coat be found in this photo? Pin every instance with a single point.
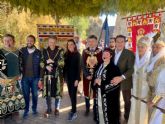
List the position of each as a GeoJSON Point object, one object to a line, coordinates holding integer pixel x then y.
{"type": "Point", "coordinates": [72, 75]}
{"type": "Point", "coordinates": [108, 102]}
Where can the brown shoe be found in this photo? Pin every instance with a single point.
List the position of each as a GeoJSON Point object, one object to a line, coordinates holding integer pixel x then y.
{"type": "Point", "coordinates": [56, 112]}
{"type": "Point", "coordinates": [47, 114]}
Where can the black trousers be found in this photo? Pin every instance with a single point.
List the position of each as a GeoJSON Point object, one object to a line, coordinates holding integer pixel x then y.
{"type": "Point", "coordinates": [73, 95]}
{"type": "Point", "coordinates": [127, 102]}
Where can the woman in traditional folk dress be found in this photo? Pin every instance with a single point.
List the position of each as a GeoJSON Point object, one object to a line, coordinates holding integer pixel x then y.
{"type": "Point", "coordinates": [11, 98]}
{"type": "Point", "coordinates": [156, 77]}
{"type": "Point", "coordinates": [139, 109]}
{"type": "Point", "coordinates": [108, 105]}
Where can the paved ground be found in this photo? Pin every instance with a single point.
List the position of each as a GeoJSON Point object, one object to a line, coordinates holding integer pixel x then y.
{"type": "Point", "coordinates": [61, 119]}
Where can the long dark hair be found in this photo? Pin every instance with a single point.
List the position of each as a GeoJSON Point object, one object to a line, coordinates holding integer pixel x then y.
{"type": "Point", "coordinates": [75, 49]}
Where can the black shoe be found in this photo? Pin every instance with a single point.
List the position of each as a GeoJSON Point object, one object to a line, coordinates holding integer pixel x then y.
{"type": "Point", "coordinates": [72, 116]}
{"type": "Point", "coordinates": [87, 112]}
{"type": "Point", "coordinates": [126, 118]}
{"type": "Point", "coordinates": [35, 113]}
{"type": "Point", "coordinates": [25, 115]}
{"type": "Point", "coordinates": [95, 119]}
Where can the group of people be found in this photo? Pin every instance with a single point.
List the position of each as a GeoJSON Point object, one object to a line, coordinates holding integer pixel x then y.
{"type": "Point", "coordinates": [24, 71]}
{"type": "Point", "coordinates": [139, 77]}
{"type": "Point", "coordinates": [106, 73]}
{"type": "Point", "coordinates": [30, 67]}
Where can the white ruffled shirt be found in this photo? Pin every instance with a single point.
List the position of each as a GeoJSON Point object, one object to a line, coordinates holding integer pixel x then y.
{"type": "Point", "coordinates": [154, 59]}
{"type": "Point", "coordinates": [141, 61]}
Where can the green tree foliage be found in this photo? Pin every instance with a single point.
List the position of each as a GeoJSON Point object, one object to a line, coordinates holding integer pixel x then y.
{"type": "Point", "coordinates": [95, 25]}
{"type": "Point", "coordinates": [68, 8]}
{"type": "Point", "coordinates": [84, 26]}
{"type": "Point", "coordinates": [81, 24]}
{"type": "Point", "coordinates": [22, 24]}
{"type": "Point", "coordinates": [4, 11]}
{"type": "Point", "coordinates": [61, 8]}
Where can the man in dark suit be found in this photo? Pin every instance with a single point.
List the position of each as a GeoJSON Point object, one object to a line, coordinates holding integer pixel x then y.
{"type": "Point", "coordinates": [124, 59]}
{"type": "Point", "coordinates": [112, 43]}
{"type": "Point", "coordinates": [112, 46]}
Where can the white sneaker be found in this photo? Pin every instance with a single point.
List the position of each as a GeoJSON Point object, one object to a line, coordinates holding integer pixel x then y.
{"type": "Point", "coordinates": [72, 117]}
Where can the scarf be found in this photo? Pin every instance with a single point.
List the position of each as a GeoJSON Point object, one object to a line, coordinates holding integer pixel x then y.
{"type": "Point", "coordinates": [141, 61]}
{"type": "Point", "coordinates": [155, 58]}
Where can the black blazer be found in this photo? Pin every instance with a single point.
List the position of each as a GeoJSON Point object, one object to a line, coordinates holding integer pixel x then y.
{"type": "Point", "coordinates": [72, 66]}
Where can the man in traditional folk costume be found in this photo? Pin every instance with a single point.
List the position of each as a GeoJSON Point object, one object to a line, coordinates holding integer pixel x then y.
{"type": "Point", "coordinates": [156, 73]}
{"type": "Point", "coordinates": [139, 109]}
{"type": "Point", "coordinates": [91, 58]}
{"type": "Point", "coordinates": [11, 98]}
{"type": "Point", "coordinates": [52, 63]}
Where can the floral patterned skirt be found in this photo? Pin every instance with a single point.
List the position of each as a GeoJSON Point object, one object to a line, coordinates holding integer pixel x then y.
{"type": "Point", "coordinates": [11, 98]}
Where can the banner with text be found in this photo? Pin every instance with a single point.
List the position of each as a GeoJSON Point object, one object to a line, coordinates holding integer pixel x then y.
{"type": "Point", "coordinates": [138, 26]}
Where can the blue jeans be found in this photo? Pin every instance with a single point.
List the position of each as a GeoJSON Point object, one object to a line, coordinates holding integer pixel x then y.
{"type": "Point", "coordinates": [30, 84]}
{"type": "Point", "coordinates": [57, 103]}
